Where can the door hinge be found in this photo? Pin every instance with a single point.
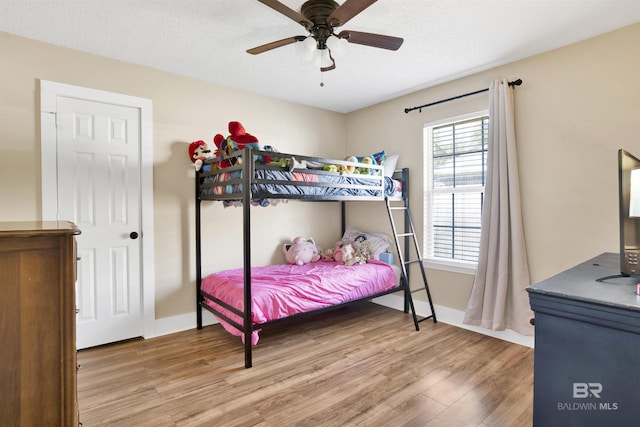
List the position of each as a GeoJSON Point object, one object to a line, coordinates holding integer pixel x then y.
{"type": "Point", "coordinates": [55, 116]}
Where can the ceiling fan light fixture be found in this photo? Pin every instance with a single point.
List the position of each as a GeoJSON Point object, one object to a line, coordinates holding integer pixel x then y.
{"type": "Point", "coordinates": [306, 48]}
{"type": "Point", "coordinates": [337, 46]}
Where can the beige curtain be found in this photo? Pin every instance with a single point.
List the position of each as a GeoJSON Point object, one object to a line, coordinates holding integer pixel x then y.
{"type": "Point", "coordinates": [498, 298]}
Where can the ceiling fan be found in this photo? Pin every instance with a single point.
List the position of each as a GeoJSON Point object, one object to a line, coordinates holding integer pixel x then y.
{"type": "Point", "coordinates": [320, 18]}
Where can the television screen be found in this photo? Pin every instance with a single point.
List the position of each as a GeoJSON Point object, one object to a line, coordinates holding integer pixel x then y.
{"type": "Point", "coordinates": [629, 224]}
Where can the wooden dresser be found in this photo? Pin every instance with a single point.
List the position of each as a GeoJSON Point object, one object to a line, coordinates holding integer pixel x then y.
{"type": "Point", "coordinates": [37, 324]}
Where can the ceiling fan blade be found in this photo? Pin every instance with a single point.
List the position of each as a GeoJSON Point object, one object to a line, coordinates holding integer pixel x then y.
{"type": "Point", "coordinates": [288, 12]}
{"type": "Point", "coordinates": [273, 45]}
{"type": "Point", "coordinates": [373, 40]}
{"type": "Point", "coordinates": [348, 10]}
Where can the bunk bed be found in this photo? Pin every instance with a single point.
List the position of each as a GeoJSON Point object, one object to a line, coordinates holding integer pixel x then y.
{"type": "Point", "coordinates": [243, 307]}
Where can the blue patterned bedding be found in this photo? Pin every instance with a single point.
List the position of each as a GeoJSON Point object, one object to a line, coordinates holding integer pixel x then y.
{"type": "Point", "coordinates": [299, 183]}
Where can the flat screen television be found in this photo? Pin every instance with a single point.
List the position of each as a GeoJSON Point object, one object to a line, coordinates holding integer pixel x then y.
{"type": "Point", "coordinates": [629, 223]}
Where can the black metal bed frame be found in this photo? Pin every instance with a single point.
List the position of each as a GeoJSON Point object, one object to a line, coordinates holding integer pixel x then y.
{"type": "Point", "coordinates": [249, 182]}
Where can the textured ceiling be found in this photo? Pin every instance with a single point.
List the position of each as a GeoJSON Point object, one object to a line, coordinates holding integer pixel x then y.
{"type": "Point", "coordinates": [208, 39]}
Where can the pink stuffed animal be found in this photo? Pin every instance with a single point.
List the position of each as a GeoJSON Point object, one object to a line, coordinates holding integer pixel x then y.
{"type": "Point", "coordinates": [329, 254]}
{"type": "Point", "coordinates": [301, 251]}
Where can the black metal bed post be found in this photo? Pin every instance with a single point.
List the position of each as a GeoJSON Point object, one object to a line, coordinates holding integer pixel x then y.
{"type": "Point", "coordinates": [343, 217]}
{"type": "Point", "coordinates": [247, 174]}
{"type": "Point", "coordinates": [199, 298]}
{"type": "Point", "coordinates": [407, 229]}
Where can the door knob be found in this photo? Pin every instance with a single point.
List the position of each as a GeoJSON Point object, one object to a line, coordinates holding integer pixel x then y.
{"type": "Point", "coordinates": [133, 235]}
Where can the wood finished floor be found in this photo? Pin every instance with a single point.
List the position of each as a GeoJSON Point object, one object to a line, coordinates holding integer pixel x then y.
{"type": "Point", "coordinates": [361, 366]}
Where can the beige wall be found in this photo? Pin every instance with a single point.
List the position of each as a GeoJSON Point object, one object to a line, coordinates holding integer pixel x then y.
{"type": "Point", "coordinates": [577, 106]}
{"type": "Point", "coordinates": [184, 110]}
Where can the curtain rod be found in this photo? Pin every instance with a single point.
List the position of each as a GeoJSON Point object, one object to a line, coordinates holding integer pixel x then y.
{"type": "Point", "coordinates": [408, 110]}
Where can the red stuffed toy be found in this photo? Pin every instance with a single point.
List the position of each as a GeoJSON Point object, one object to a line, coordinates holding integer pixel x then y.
{"type": "Point", "coordinates": [239, 136]}
{"type": "Point", "coordinates": [198, 153]}
{"type": "Point", "coordinates": [237, 140]}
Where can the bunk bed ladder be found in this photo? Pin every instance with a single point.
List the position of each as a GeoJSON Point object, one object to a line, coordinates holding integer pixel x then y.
{"type": "Point", "coordinates": [409, 237]}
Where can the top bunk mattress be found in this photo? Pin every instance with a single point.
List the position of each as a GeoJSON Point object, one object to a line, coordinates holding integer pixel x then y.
{"type": "Point", "coordinates": [304, 178]}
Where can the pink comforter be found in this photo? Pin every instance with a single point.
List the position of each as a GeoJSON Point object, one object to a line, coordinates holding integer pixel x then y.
{"type": "Point", "coordinates": [282, 290]}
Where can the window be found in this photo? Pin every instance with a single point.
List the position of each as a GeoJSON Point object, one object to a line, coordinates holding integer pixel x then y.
{"type": "Point", "coordinates": [455, 155]}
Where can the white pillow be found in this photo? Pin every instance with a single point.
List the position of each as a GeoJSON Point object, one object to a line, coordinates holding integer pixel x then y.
{"type": "Point", "coordinates": [378, 243]}
{"type": "Point", "coordinates": [389, 165]}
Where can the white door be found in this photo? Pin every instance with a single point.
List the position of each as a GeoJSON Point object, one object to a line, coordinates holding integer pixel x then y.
{"type": "Point", "coordinates": [90, 150]}
{"type": "Point", "coordinates": [98, 157]}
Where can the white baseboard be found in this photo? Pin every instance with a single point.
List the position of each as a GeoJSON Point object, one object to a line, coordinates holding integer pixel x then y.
{"type": "Point", "coordinates": [183, 322]}
{"type": "Point", "coordinates": [454, 317]}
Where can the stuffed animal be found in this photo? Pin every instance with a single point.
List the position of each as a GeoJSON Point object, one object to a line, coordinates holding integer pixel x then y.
{"type": "Point", "coordinates": [351, 252]}
{"type": "Point", "coordinates": [348, 168]}
{"type": "Point", "coordinates": [366, 170]}
{"type": "Point", "coordinates": [345, 254]}
{"type": "Point", "coordinates": [238, 139]}
{"type": "Point", "coordinates": [198, 152]}
{"type": "Point", "coordinates": [301, 251]}
{"type": "Point", "coordinates": [283, 162]}
{"type": "Point", "coordinates": [225, 146]}
{"type": "Point", "coordinates": [327, 255]}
